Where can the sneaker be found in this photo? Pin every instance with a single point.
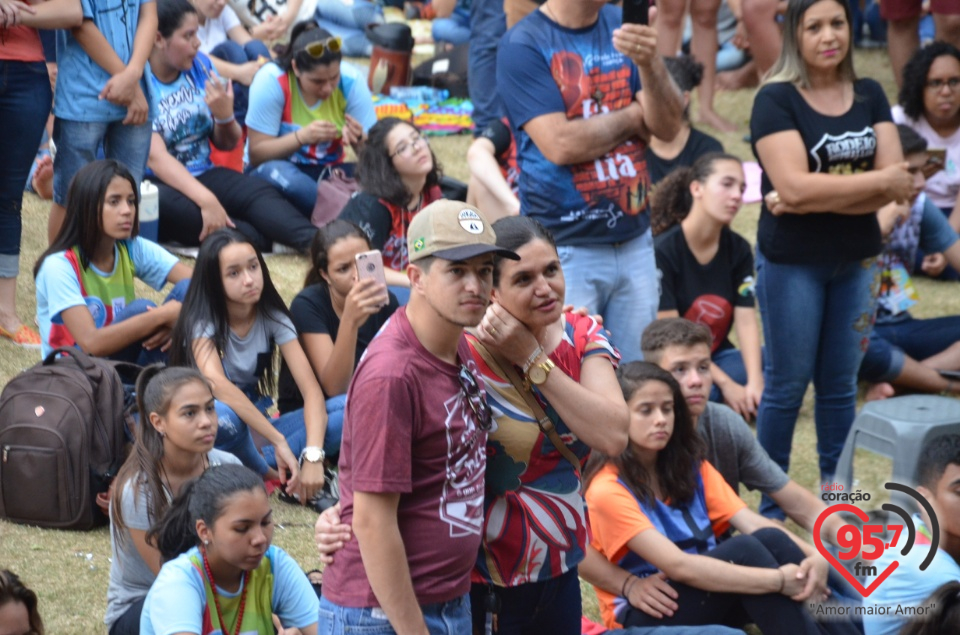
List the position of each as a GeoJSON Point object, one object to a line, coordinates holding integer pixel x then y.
{"type": "Point", "coordinates": [23, 336]}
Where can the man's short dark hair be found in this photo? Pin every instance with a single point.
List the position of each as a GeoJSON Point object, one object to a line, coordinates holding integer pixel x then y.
{"type": "Point", "coordinates": [935, 457]}
{"type": "Point", "coordinates": [910, 140]}
{"type": "Point", "coordinates": [672, 332]}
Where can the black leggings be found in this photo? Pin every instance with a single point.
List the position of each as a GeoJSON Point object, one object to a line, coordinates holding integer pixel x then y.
{"type": "Point", "coordinates": [772, 612]}
{"type": "Point", "coordinates": [259, 211]}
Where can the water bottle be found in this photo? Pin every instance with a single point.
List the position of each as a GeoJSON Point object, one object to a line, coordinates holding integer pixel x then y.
{"type": "Point", "coordinates": [149, 210]}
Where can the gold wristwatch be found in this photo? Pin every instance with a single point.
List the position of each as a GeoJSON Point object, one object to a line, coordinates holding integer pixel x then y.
{"type": "Point", "coordinates": [538, 373]}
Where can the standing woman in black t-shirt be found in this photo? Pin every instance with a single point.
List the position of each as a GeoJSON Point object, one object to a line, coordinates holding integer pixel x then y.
{"type": "Point", "coordinates": [706, 271]}
{"type": "Point", "coordinates": [831, 157]}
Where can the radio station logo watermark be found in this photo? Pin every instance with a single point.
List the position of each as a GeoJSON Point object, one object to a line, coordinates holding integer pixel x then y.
{"type": "Point", "coordinates": [861, 546]}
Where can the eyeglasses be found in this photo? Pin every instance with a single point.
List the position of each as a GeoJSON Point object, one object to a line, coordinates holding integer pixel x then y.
{"type": "Point", "coordinates": [318, 48]}
{"type": "Point", "coordinates": [406, 148]}
{"type": "Point", "coordinates": [475, 399]}
{"type": "Point", "coordinates": [936, 84]}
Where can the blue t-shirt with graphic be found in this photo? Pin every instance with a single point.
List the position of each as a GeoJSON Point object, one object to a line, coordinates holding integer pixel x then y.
{"type": "Point", "coordinates": [80, 79]}
{"type": "Point", "coordinates": [183, 118]}
{"type": "Point", "coordinates": [544, 68]}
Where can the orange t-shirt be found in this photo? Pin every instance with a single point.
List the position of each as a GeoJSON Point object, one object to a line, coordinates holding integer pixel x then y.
{"type": "Point", "coordinates": [21, 44]}
{"type": "Point", "coordinates": [616, 517]}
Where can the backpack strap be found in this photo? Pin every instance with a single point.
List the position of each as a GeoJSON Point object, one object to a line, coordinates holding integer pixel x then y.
{"type": "Point", "coordinates": [544, 422]}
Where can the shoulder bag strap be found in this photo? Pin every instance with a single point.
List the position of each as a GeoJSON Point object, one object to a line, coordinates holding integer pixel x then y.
{"type": "Point", "coordinates": [543, 421]}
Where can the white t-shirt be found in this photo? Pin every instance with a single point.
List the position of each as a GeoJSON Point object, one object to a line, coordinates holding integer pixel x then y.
{"type": "Point", "coordinates": [214, 31]}
{"type": "Point", "coordinates": [943, 187]}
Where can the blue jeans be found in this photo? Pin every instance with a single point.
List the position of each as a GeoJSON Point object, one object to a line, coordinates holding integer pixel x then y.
{"type": "Point", "coordinates": [443, 618]}
{"type": "Point", "coordinates": [78, 143]}
{"type": "Point", "coordinates": [230, 51]}
{"type": "Point", "coordinates": [454, 29]}
{"type": "Point", "coordinates": [25, 98]}
{"type": "Point", "coordinates": [816, 324]}
{"type": "Point", "coordinates": [619, 282]}
{"type": "Point", "coordinates": [552, 606]}
{"type": "Point", "coordinates": [893, 340]}
{"type": "Point", "coordinates": [348, 24]}
{"type": "Point", "coordinates": [297, 183]}
{"type": "Point", "coordinates": [234, 436]}
{"type": "Point", "coordinates": [135, 352]}
{"type": "Point", "coordinates": [488, 23]}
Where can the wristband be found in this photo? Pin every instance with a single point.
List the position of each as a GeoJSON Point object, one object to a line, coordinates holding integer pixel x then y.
{"type": "Point", "coordinates": [296, 135]}
{"type": "Point", "coordinates": [223, 122]}
{"type": "Point", "coordinates": [627, 584]}
{"type": "Point", "coordinates": [537, 352]}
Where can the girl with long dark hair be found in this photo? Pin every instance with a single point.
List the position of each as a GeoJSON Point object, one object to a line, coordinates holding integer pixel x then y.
{"type": "Point", "coordinates": [399, 175]}
{"type": "Point", "coordinates": [85, 291]}
{"type": "Point", "coordinates": [232, 323]}
{"type": "Point", "coordinates": [221, 572]}
{"type": "Point", "coordinates": [174, 445]}
{"type": "Point", "coordinates": [659, 506]}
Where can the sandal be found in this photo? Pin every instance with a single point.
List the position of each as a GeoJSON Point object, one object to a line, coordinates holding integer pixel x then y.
{"type": "Point", "coordinates": [24, 336]}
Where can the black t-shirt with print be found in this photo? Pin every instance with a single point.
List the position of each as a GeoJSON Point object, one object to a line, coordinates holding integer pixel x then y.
{"type": "Point", "coordinates": [698, 144]}
{"type": "Point", "coordinates": [845, 144]}
{"type": "Point", "coordinates": [312, 312]}
{"type": "Point", "coordinates": [706, 294]}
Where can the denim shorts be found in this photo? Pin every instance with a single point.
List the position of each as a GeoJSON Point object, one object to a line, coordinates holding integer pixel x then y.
{"type": "Point", "coordinates": [79, 143]}
{"type": "Point", "coordinates": [442, 618]}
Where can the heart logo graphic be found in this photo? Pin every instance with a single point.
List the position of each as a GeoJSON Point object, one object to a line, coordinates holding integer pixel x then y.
{"type": "Point", "coordinates": [859, 513]}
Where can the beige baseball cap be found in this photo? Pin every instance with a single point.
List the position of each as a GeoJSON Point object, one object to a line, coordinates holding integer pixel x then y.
{"type": "Point", "coordinates": [453, 231]}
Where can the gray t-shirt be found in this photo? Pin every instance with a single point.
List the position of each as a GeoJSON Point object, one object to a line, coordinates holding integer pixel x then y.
{"type": "Point", "coordinates": [733, 449]}
{"type": "Point", "coordinates": [130, 576]}
{"type": "Point", "coordinates": [245, 357]}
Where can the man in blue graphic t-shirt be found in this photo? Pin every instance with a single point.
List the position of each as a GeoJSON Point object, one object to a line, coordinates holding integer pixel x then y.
{"type": "Point", "coordinates": [570, 79]}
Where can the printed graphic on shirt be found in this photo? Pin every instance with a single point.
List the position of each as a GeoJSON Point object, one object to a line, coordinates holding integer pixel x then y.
{"type": "Point", "coordinates": [461, 503]}
{"type": "Point", "coordinates": [848, 153]}
{"type": "Point", "coordinates": [714, 312]}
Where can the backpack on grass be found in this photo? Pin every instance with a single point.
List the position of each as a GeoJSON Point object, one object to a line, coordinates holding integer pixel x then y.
{"type": "Point", "coordinates": [62, 440]}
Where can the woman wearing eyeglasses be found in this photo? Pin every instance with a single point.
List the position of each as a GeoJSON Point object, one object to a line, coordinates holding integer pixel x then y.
{"type": "Point", "coordinates": [195, 108]}
{"type": "Point", "coordinates": [930, 104]}
{"type": "Point", "coordinates": [304, 109]}
{"type": "Point", "coordinates": [399, 175]}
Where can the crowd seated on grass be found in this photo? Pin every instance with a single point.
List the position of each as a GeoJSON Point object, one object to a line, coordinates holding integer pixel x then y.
{"type": "Point", "coordinates": [628, 476]}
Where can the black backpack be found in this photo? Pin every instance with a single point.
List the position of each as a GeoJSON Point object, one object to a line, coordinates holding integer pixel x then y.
{"type": "Point", "coordinates": [62, 440]}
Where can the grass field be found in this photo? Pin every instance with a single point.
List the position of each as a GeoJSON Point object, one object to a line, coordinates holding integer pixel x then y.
{"type": "Point", "coordinates": [69, 570]}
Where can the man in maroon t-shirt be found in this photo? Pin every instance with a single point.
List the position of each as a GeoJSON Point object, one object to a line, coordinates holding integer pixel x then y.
{"type": "Point", "coordinates": [413, 456]}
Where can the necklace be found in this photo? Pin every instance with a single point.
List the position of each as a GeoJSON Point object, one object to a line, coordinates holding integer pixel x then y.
{"type": "Point", "coordinates": [165, 479]}
{"type": "Point", "coordinates": [216, 599]}
{"type": "Point", "coordinates": [549, 10]}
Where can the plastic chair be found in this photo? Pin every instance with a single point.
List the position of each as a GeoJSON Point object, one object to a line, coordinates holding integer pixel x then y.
{"type": "Point", "coordinates": [898, 428]}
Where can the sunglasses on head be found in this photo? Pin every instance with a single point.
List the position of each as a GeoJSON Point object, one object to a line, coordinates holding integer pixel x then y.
{"type": "Point", "coordinates": [318, 48]}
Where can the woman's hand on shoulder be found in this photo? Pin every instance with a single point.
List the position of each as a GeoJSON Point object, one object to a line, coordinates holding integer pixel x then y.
{"type": "Point", "coordinates": [366, 298]}
{"type": "Point", "coordinates": [506, 335]}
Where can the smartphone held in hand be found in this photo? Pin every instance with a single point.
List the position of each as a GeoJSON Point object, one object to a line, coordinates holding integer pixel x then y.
{"type": "Point", "coordinates": [636, 11]}
{"type": "Point", "coordinates": [370, 265]}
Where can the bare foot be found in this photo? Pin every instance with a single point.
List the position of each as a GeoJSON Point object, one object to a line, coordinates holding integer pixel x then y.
{"type": "Point", "coordinates": [878, 392]}
{"type": "Point", "coordinates": [711, 118]}
{"type": "Point", "coordinates": [743, 77]}
{"type": "Point", "coordinates": [43, 178]}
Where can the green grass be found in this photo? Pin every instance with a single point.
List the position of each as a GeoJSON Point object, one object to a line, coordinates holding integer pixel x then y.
{"type": "Point", "coordinates": [69, 570]}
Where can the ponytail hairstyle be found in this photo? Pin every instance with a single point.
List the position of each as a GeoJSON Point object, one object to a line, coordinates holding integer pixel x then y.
{"type": "Point", "coordinates": [328, 236]}
{"type": "Point", "coordinates": [83, 224]}
{"type": "Point", "coordinates": [671, 200]}
{"type": "Point", "coordinates": [155, 389]}
{"type": "Point", "coordinates": [206, 304]}
{"type": "Point", "coordinates": [13, 590]}
{"type": "Point", "coordinates": [677, 464]}
{"type": "Point", "coordinates": [303, 35]}
{"type": "Point", "coordinates": [203, 498]}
